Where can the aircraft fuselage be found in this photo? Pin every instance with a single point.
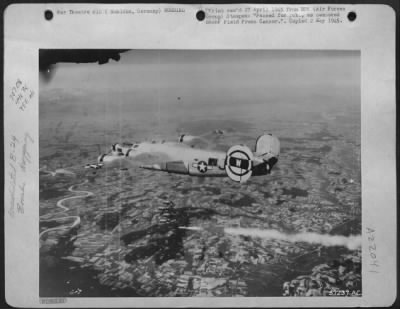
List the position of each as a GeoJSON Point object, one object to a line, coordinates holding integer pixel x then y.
{"type": "Point", "coordinates": [238, 163]}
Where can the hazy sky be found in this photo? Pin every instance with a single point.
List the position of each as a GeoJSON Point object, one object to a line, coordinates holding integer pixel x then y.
{"type": "Point", "coordinates": [209, 69]}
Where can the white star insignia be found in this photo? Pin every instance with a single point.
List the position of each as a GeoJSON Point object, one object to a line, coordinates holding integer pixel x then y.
{"type": "Point", "coordinates": [202, 167]}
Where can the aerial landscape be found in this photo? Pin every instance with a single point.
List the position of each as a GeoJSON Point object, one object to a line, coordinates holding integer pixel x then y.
{"type": "Point", "coordinates": [142, 233]}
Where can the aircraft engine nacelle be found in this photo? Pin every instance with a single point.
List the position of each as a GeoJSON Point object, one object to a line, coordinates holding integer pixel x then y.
{"type": "Point", "coordinates": [239, 163]}
{"type": "Point", "coordinates": [186, 138]}
{"type": "Point", "coordinates": [111, 161]}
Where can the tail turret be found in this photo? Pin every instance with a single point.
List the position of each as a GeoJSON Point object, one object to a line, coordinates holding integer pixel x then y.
{"type": "Point", "coordinates": [266, 153]}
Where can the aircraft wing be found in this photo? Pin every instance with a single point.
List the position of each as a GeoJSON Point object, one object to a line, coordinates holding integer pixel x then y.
{"type": "Point", "coordinates": [194, 141]}
{"type": "Point", "coordinates": [178, 167]}
{"type": "Point", "coordinates": [204, 141]}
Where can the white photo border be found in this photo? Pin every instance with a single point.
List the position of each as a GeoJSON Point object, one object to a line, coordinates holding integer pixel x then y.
{"type": "Point", "coordinates": [373, 33]}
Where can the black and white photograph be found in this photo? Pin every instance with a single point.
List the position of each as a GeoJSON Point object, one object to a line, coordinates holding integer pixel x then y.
{"type": "Point", "coordinates": [199, 173]}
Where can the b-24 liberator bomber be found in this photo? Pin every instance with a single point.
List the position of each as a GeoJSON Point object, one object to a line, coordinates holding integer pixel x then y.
{"type": "Point", "coordinates": [185, 156]}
